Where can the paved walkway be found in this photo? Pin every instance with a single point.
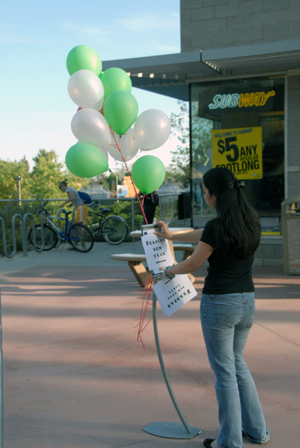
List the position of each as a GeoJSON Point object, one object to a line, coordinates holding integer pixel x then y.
{"type": "Point", "coordinates": [75, 376]}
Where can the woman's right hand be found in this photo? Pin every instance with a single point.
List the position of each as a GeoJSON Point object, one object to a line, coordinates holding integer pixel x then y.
{"type": "Point", "coordinates": [164, 231]}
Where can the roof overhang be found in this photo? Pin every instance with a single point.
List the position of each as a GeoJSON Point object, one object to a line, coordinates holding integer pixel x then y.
{"type": "Point", "coordinates": [165, 74]}
{"type": "Point", "coordinates": [171, 74]}
{"type": "Point", "coordinates": [275, 56]}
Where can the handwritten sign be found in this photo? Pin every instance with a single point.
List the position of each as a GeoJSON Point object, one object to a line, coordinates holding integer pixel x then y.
{"type": "Point", "coordinates": [173, 294]}
{"type": "Point", "coordinates": [239, 150]}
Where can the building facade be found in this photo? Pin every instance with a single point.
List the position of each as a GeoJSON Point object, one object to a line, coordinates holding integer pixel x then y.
{"type": "Point", "coordinates": [239, 68]}
{"type": "Point", "coordinates": [257, 43]}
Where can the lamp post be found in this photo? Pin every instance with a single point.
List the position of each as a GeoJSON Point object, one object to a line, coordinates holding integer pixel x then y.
{"type": "Point", "coordinates": [19, 178]}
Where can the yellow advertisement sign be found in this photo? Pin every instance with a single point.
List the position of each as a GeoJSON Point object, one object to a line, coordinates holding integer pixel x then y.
{"type": "Point", "coordinates": [239, 150]}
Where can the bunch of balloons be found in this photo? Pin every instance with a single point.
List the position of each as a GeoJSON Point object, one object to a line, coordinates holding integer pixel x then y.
{"type": "Point", "coordinates": [107, 122]}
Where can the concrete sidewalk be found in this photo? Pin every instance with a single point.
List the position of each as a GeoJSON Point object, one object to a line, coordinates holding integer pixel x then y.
{"type": "Point", "coordinates": [75, 376]}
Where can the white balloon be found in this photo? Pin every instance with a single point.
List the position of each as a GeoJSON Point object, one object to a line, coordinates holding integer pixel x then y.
{"type": "Point", "coordinates": [86, 89]}
{"type": "Point", "coordinates": [126, 142]}
{"type": "Point", "coordinates": [104, 152]}
{"type": "Point", "coordinates": [89, 126]}
{"type": "Point", "coordinates": [151, 129]}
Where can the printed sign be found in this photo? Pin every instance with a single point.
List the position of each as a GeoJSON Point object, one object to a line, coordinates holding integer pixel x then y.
{"type": "Point", "coordinates": [173, 294]}
{"type": "Point", "coordinates": [239, 150]}
{"type": "Point", "coordinates": [157, 251]}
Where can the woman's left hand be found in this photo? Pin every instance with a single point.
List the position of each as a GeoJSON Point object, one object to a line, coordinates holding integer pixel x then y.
{"type": "Point", "coordinates": [163, 230]}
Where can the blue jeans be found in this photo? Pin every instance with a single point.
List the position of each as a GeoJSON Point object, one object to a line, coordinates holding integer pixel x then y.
{"type": "Point", "coordinates": [226, 321]}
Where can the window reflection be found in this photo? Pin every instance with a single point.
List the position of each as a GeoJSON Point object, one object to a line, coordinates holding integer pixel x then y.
{"type": "Point", "coordinates": [238, 104]}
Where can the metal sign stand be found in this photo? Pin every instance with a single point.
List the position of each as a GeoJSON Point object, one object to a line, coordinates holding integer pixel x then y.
{"type": "Point", "coordinates": [169, 430]}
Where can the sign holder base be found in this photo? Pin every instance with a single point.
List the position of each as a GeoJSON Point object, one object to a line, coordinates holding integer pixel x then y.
{"type": "Point", "coordinates": [168, 429]}
{"type": "Point", "coordinates": [171, 430]}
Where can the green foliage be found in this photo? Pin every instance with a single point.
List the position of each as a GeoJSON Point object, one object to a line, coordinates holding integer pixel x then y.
{"type": "Point", "coordinates": [8, 182]}
{"type": "Point", "coordinates": [179, 171]}
{"type": "Point", "coordinates": [45, 176]}
{"type": "Point", "coordinates": [108, 182]}
{"type": "Point", "coordinates": [124, 210]}
{"type": "Point", "coordinates": [41, 183]}
{"type": "Point", "coordinates": [176, 176]}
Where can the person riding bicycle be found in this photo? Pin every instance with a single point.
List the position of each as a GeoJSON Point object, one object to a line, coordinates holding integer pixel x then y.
{"type": "Point", "coordinates": [80, 210]}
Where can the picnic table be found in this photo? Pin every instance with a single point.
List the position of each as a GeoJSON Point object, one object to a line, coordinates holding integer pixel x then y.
{"type": "Point", "coordinates": [137, 262]}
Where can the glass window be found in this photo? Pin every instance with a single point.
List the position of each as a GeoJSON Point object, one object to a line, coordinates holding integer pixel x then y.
{"type": "Point", "coordinates": [240, 124]}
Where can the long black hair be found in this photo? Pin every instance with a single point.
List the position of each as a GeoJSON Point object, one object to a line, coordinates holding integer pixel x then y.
{"type": "Point", "coordinates": [238, 228]}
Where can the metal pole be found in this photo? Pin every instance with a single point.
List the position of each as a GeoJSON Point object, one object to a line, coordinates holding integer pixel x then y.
{"type": "Point", "coordinates": [19, 178]}
{"type": "Point", "coordinates": [162, 365]}
{"type": "Point", "coordinates": [170, 430]}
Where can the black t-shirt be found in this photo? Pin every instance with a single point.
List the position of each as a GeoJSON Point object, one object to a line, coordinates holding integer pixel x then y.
{"type": "Point", "coordinates": [227, 272]}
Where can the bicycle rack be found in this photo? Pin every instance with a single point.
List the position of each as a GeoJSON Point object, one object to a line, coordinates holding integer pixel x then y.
{"type": "Point", "coordinates": [13, 227]}
{"type": "Point", "coordinates": [40, 249]}
{"type": "Point", "coordinates": [23, 220]}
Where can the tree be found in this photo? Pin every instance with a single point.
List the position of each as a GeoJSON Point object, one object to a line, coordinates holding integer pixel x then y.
{"type": "Point", "coordinates": [179, 170]}
{"type": "Point", "coordinates": [46, 174]}
{"type": "Point", "coordinates": [108, 182]}
{"type": "Point", "coordinates": [201, 142]}
{"type": "Point", "coordinates": [8, 183]}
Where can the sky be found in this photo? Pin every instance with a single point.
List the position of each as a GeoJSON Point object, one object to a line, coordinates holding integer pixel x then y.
{"type": "Point", "coordinates": [35, 39]}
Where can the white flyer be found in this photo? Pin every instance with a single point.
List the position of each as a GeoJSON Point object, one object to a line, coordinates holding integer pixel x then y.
{"type": "Point", "coordinates": [173, 294]}
{"type": "Point", "coordinates": [157, 251]}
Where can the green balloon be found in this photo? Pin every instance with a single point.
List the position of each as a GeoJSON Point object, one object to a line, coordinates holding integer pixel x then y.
{"type": "Point", "coordinates": [85, 160]}
{"type": "Point", "coordinates": [83, 57]}
{"type": "Point", "coordinates": [148, 174]}
{"type": "Point", "coordinates": [120, 110]}
{"type": "Point", "coordinates": [115, 79]}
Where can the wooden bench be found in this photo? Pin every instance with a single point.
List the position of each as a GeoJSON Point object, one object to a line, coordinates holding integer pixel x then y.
{"type": "Point", "coordinates": [187, 249]}
{"type": "Point", "coordinates": [135, 262]}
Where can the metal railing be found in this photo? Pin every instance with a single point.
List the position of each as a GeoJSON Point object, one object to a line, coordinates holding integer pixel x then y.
{"type": "Point", "coordinates": [23, 219]}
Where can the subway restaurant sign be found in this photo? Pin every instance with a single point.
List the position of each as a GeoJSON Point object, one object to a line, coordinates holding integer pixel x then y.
{"type": "Point", "coordinates": [239, 150]}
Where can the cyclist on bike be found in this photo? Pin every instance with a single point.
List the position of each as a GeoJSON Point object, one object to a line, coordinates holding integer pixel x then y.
{"type": "Point", "coordinates": [80, 210]}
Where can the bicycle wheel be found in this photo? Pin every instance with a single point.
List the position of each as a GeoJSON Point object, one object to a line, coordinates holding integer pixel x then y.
{"type": "Point", "coordinates": [96, 232]}
{"type": "Point", "coordinates": [49, 235]}
{"type": "Point", "coordinates": [114, 230]}
{"type": "Point", "coordinates": [81, 238]}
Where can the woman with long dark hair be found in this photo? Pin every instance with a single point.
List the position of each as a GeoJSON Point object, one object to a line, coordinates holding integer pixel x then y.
{"type": "Point", "coordinates": [228, 243]}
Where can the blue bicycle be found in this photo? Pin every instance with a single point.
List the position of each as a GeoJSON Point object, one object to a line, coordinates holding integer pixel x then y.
{"type": "Point", "coordinates": [78, 235]}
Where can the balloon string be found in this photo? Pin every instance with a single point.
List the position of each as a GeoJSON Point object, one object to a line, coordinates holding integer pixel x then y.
{"type": "Point", "coordinates": [97, 183]}
{"type": "Point", "coordinates": [141, 326]}
{"type": "Point", "coordinates": [135, 190]}
{"type": "Point", "coordinates": [149, 281]}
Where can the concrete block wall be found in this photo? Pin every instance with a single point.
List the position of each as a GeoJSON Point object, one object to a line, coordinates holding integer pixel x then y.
{"type": "Point", "coordinates": [269, 252]}
{"type": "Point", "coordinates": [207, 24]}
{"type": "Point", "coordinates": [293, 139]}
